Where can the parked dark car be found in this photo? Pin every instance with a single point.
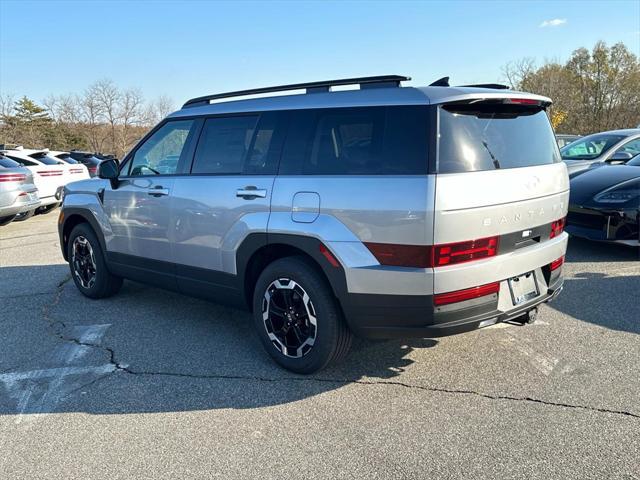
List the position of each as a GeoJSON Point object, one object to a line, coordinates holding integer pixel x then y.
{"type": "Point", "coordinates": [604, 204]}
{"type": "Point", "coordinates": [88, 159]}
{"type": "Point", "coordinates": [564, 139]}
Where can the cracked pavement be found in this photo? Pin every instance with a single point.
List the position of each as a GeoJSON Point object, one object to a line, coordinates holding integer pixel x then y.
{"type": "Point", "coordinates": [152, 384]}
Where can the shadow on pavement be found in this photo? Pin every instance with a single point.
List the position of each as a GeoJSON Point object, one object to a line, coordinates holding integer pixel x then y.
{"type": "Point", "coordinates": [172, 348]}
{"type": "Point", "coordinates": [581, 250]}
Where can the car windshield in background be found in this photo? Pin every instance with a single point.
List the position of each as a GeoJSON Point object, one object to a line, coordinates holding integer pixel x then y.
{"type": "Point", "coordinates": [634, 162]}
{"type": "Point", "coordinates": [590, 147]}
{"type": "Point", "coordinates": [475, 137]}
{"type": "Point", "coordinates": [8, 163]}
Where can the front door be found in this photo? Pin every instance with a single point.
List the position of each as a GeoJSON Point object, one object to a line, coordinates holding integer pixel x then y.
{"type": "Point", "coordinates": [138, 209]}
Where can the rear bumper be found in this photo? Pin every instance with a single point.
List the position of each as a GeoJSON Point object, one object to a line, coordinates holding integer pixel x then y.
{"type": "Point", "coordinates": [411, 317]}
{"type": "Point", "coordinates": [20, 205]}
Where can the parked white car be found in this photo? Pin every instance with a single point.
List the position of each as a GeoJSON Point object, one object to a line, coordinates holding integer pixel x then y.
{"type": "Point", "coordinates": [74, 169]}
{"type": "Point", "coordinates": [48, 173]}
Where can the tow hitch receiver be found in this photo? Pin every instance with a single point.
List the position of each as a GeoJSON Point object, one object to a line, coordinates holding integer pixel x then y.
{"type": "Point", "coordinates": [527, 318]}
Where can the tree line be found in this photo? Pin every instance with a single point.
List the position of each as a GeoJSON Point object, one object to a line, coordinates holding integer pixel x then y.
{"type": "Point", "coordinates": [592, 91]}
{"type": "Point", "coordinates": [104, 118]}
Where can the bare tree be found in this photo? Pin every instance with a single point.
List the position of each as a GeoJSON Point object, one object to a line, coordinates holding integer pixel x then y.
{"type": "Point", "coordinates": [130, 114]}
{"type": "Point", "coordinates": [108, 97]}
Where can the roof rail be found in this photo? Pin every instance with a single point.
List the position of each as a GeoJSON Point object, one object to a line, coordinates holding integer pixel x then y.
{"type": "Point", "coordinates": [311, 87]}
{"type": "Point", "coordinates": [496, 86]}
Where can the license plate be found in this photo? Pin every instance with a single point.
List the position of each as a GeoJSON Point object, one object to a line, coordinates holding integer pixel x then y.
{"type": "Point", "coordinates": [523, 288]}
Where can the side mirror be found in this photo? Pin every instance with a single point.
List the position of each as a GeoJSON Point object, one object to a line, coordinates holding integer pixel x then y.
{"type": "Point", "coordinates": [622, 157]}
{"type": "Point", "coordinates": [108, 169]}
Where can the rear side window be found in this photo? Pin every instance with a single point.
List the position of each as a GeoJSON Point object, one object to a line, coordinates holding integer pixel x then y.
{"type": "Point", "coordinates": [475, 137]}
{"type": "Point", "coordinates": [357, 141]}
{"type": "Point", "coordinates": [240, 145]}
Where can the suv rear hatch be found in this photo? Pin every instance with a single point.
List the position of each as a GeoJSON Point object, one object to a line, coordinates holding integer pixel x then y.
{"type": "Point", "coordinates": [501, 197]}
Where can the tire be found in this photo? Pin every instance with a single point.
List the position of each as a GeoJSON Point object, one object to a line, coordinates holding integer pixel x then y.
{"type": "Point", "coordinates": [6, 220]}
{"type": "Point", "coordinates": [21, 217]}
{"type": "Point", "coordinates": [293, 277]}
{"type": "Point", "coordinates": [102, 283]}
{"type": "Point", "coordinates": [47, 208]}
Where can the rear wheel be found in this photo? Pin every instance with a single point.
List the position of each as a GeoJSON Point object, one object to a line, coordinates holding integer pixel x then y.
{"type": "Point", "coordinates": [297, 317]}
{"type": "Point", "coordinates": [21, 217]}
{"type": "Point", "coordinates": [6, 220]}
{"type": "Point", "coordinates": [88, 268]}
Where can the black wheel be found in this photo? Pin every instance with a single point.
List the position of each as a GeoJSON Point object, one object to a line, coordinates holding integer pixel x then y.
{"type": "Point", "coordinates": [297, 317]}
{"type": "Point", "coordinates": [6, 220]}
{"type": "Point", "coordinates": [88, 268]}
{"type": "Point", "coordinates": [21, 217]}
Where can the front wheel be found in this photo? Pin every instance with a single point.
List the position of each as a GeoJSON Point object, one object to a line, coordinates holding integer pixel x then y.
{"type": "Point", "coordinates": [88, 268]}
{"type": "Point", "coordinates": [297, 317]}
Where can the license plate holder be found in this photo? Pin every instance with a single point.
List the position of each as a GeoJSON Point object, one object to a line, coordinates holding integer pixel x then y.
{"type": "Point", "coordinates": [523, 288]}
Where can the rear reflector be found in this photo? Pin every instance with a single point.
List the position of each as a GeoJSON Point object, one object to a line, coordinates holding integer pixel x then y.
{"type": "Point", "coordinates": [557, 263]}
{"type": "Point", "coordinates": [418, 256]}
{"type": "Point", "coordinates": [460, 252]}
{"type": "Point", "coordinates": [13, 177]}
{"type": "Point", "coordinates": [328, 255]}
{"type": "Point", "coordinates": [557, 227]}
{"type": "Point", "coordinates": [466, 294]}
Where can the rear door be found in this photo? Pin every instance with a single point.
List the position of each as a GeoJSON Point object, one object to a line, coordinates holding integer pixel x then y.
{"type": "Point", "coordinates": [225, 196]}
{"type": "Point", "coordinates": [499, 176]}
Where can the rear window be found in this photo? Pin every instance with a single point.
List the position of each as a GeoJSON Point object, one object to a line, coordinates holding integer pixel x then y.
{"type": "Point", "coordinates": [23, 162]}
{"type": "Point", "coordinates": [46, 159]}
{"type": "Point", "coordinates": [590, 147]}
{"type": "Point", "coordinates": [476, 137]}
{"type": "Point", "coordinates": [67, 158]}
{"type": "Point", "coordinates": [8, 163]}
{"type": "Point", "coordinates": [357, 141]}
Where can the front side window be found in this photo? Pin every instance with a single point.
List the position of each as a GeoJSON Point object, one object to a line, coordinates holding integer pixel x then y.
{"type": "Point", "coordinates": [476, 137]}
{"type": "Point", "coordinates": [632, 147]}
{"type": "Point", "coordinates": [224, 144]}
{"type": "Point", "coordinates": [160, 153]}
{"type": "Point", "coordinates": [590, 147]}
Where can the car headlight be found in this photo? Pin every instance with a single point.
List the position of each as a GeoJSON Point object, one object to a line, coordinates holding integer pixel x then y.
{"type": "Point", "coordinates": [622, 193]}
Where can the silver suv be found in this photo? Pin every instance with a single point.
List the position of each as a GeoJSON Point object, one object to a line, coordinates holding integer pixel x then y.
{"type": "Point", "coordinates": [385, 211]}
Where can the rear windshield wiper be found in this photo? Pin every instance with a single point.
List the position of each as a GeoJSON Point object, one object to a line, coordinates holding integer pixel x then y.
{"type": "Point", "coordinates": [496, 162]}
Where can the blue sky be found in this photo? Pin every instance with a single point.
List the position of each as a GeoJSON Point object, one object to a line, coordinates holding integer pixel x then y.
{"type": "Point", "coordinates": [189, 48]}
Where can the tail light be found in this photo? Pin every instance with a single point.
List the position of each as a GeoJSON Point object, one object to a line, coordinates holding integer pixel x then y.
{"type": "Point", "coordinates": [557, 263]}
{"type": "Point", "coordinates": [418, 256]}
{"type": "Point", "coordinates": [521, 101]}
{"type": "Point", "coordinates": [467, 294]}
{"type": "Point", "coordinates": [460, 252]}
{"type": "Point", "coordinates": [557, 227]}
{"type": "Point", "coordinates": [50, 173]}
{"type": "Point", "coordinates": [13, 177]}
{"type": "Point", "coordinates": [93, 169]}
{"type": "Point", "coordinates": [75, 170]}
{"type": "Point", "coordinates": [425, 256]}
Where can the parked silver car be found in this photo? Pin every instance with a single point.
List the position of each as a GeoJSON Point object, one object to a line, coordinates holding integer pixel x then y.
{"type": "Point", "coordinates": [18, 194]}
{"type": "Point", "coordinates": [615, 146]}
{"type": "Point", "coordinates": [386, 211]}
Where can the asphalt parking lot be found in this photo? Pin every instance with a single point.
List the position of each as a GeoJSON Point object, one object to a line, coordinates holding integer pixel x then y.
{"type": "Point", "coordinates": [152, 384]}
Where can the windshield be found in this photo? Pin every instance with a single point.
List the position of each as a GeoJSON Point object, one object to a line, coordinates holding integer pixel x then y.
{"type": "Point", "coordinates": [590, 147]}
{"type": "Point", "coordinates": [475, 137]}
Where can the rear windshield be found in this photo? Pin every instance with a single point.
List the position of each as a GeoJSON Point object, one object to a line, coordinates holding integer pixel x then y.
{"type": "Point", "coordinates": [22, 161]}
{"type": "Point", "coordinates": [8, 163]}
{"type": "Point", "coordinates": [476, 137]}
{"type": "Point", "coordinates": [46, 159]}
{"type": "Point", "coordinates": [65, 157]}
{"type": "Point", "coordinates": [591, 147]}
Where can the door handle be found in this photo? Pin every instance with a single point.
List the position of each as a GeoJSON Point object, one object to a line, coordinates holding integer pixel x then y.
{"type": "Point", "coordinates": [250, 192]}
{"type": "Point", "coordinates": [158, 191]}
